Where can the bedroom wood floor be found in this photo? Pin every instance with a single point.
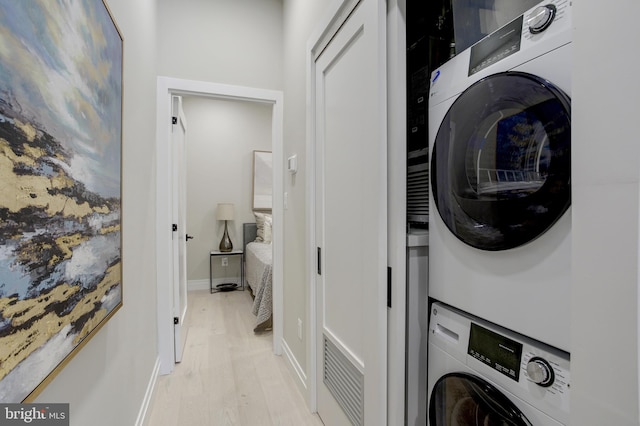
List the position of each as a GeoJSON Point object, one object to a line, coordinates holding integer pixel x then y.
{"type": "Point", "coordinates": [228, 374]}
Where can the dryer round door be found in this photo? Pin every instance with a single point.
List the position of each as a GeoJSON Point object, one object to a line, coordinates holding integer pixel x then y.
{"type": "Point", "coordinates": [501, 161]}
{"type": "Point", "coordinates": [463, 399]}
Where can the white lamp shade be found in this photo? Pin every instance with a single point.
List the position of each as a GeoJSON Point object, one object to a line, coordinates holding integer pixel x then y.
{"type": "Point", "coordinates": [225, 211]}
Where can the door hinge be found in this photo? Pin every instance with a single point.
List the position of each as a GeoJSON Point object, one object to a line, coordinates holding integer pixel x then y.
{"type": "Point", "coordinates": [174, 120]}
{"type": "Point", "coordinates": [176, 320]}
{"type": "Point", "coordinates": [319, 261]}
{"type": "Point", "coordinates": [174, 227]}
{"type": "Point", "coordinates": [388, 286]}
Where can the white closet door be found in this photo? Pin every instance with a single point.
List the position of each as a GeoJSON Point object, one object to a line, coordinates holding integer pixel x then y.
{"type": "Point", "coordinates": [351, 220]}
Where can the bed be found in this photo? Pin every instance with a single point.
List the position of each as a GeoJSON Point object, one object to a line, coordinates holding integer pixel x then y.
{"type": "Point", "coordinates": [258, 274]}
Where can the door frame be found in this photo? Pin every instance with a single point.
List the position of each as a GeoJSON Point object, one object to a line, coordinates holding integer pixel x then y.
{"type": "Point", "coordinates": [165, 88]}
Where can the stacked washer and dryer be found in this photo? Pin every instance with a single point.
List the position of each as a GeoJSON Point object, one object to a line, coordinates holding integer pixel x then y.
{"type": "Point", "coordinates": [500, 246]}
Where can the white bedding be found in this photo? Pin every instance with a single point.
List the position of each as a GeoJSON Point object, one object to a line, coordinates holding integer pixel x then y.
{"type": "Point", "coordinates": [258, 258]}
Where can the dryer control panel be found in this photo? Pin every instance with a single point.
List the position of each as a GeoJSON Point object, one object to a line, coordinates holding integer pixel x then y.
{"type": "Point", "coordinates": [508, 40]}
{"type": "Point", "coordinates": [511, 45]}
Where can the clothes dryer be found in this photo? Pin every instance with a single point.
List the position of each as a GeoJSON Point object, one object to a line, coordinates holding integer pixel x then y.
{"type": "Point", "coordinates": [500, 146]}
{"type": "Point", "coordinates": [481, 374]}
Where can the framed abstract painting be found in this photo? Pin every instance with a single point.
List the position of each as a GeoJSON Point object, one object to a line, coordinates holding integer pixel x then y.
{"type": "Point", "coordinates": [60, 185]}
{"type": "Point", "coordinates": [262, 180]}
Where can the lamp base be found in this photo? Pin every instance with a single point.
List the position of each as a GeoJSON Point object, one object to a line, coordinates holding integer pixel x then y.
{"type": "Point", "coordinates": [225, 244]}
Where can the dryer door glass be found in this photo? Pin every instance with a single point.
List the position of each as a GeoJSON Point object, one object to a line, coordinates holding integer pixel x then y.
{"type": "Point", "coordinates": [501, 161]}
{"type": "Point", "coordinates": [464, 399]}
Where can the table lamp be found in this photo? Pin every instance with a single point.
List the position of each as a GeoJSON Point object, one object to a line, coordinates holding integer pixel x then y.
{"type": "Point", "coordinates": [225, 212]}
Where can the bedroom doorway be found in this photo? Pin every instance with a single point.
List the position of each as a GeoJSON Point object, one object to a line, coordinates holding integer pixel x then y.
{"type": "Point", "coordinates": [166, 88]}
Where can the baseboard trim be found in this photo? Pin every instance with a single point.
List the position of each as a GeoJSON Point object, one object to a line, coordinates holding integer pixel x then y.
{"type": "Point", "coordinates": [193, 285]}
{"type": "Point", "coordinates": [295, 367]}
{"type": "Point", "coordinates": [148, 396]}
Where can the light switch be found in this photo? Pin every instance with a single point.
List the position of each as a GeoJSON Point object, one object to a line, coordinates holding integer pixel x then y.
{"type": "Point", "coordinates": [292, 164]}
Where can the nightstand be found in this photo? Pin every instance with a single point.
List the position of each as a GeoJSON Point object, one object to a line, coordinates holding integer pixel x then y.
{"type": "Point", "coordinates": [226, 286]}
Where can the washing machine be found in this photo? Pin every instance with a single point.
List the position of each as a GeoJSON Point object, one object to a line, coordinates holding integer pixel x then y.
{"type": "Point", "coordinates": [500, 146]}
{"type": "Point", "coordinates": [481, 374]}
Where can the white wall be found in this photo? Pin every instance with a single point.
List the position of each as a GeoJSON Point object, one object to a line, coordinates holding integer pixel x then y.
{"type": "Point", "coordinates": [223, 41]}
{"type": "Point", "coordinates": [605, 214]}
{"type": "Point", "coordinates": [300, 20]}
{"type": "Point", "coordinates": [221, 138]}
{"type": "Point", "coordinates": [106, 382]}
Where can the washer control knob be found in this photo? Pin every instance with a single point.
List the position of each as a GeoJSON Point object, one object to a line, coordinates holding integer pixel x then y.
{"type": "Point", "coordinates": [540, 371]}
{"type": "Point", "coordinates": [541, 18]}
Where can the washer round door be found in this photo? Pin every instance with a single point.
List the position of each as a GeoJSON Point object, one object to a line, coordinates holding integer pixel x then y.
{"type": "Point", "coordinates": [501, 161]}
{"type": "Point", "coordinates": [461, 399]}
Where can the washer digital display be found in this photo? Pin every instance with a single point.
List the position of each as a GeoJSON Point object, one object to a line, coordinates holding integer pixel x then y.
{"type": "Point", "coordinates": [497, 351]}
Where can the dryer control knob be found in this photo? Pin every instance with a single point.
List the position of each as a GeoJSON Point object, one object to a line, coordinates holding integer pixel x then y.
{"type": "Point", "coordinates": [540, 371]}
{"type": "Point", "coordinates": [541, 18]}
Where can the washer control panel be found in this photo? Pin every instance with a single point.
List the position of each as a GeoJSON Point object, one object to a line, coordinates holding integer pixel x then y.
{"type": "Point", "coordinates": [540, 372]}
{"type": "Point", "coordinates": [546, 372]}
{"type": "Point", "coordinates": [533, 371]}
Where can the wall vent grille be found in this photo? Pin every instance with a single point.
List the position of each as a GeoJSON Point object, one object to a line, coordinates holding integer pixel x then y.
{"type": "Point", "coordinates": [418, 193]}
{"type": "Point", "coordinates": [344, 381]}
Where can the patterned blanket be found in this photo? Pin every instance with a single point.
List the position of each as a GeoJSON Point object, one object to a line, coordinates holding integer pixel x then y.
{"type": "Point", "coordinates": [259, 277]}
{"type": "Point", "coordinates": [262, 304]}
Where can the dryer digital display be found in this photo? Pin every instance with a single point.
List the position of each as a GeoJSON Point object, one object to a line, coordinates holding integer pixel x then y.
{"type": "Point", "coordinates": [501, 161]}
{"type": "Point", "coordinates": [497, 46]}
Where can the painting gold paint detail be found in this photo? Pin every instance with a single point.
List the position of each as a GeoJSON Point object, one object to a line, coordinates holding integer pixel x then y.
{"type": "Point", "coordinates": [60, 185]}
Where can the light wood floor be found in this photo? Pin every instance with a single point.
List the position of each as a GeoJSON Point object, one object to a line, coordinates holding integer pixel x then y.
{"type": "Point", "coordinates": [228, 375]}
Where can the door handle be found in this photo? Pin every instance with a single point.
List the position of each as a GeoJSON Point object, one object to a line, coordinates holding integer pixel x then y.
{"type": "Point", "coordinates": [189, 237]}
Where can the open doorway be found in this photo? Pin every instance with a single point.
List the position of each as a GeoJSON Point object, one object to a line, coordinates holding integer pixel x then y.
{"type": "Point", "coordinates": [167, 87]}
{"type": "Point", "coordinates": [223, 136]}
